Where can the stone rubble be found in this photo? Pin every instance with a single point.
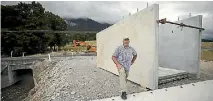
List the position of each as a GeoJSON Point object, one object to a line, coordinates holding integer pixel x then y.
{"type": "Point", "coordinates": [76, 78]}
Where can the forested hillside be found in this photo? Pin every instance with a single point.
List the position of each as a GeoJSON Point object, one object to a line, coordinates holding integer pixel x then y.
{"type": "Point", "coordinates": [29, 17]}
{"type": "Point", "coordinates": [29, 28]}
{"type": "Point", "coordinates": [85, 24]}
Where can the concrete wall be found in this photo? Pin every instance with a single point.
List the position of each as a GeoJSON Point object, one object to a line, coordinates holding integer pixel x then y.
{"type": "Point", "coordinates": [200, 91]}
{"type": "Point", "coordinates": [179, 48]}
{"type": "Point", "coordinates": [142, 30]}
{"type": "Point", "coordinates": [8, 77]}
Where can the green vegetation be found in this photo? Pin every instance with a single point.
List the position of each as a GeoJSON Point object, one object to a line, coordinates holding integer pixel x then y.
{"type": "Point", "coordinates": [72, 48]}
{"type": "Point", "coordinates": [207, 45]}
{"type": "Point", "coordinates": [16, 19]}
{"type": "Point", "coordinates": [207, 55]}
{"type": "Point", "coordinates": [207, 40]}
{"type": "Point", "coordinates": [91, 43]}
{"type": "Point", "coordinates": [83, 36]}
{"type": "Point", "coordinates": [207, 52]}
{"type": "Point", "coordinates": [31, 16]}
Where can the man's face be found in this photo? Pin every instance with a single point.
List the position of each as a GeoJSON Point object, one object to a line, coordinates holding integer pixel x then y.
{"type": "Point", "coordinates": [126, 42]}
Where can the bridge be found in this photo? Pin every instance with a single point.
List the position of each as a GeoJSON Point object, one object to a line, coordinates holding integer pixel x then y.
{"type": "Point", "coordinates": [49, 31]}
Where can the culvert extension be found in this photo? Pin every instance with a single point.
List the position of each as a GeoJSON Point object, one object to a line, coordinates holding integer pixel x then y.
{"type": "Point", "coordinates": [20, 89]}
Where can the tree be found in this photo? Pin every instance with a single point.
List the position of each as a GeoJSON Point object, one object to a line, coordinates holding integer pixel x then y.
{"type": "Point", "coordinates": [30, 17]}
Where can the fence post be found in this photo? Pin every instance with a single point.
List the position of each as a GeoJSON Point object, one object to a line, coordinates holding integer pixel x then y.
{"type": "Point", "coordinates": [49, 57]}
{"type": "Point", "coordinates": [72, 54]}
{"type": "Point", "coordinates": [11, 54]}
{"type": "Point", "coordinates": [22, 54]}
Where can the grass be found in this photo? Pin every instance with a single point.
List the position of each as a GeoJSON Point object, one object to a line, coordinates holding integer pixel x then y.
{"type": "Point", "coordinates": [207, 45]}
{"type": "Point", "coordinates": [92, 43]}
{"type": "Point", "coordinates": [207, 55]}
{"type": "Point", "coordinates": [71, 47]}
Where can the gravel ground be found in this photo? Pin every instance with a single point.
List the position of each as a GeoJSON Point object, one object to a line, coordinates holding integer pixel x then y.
{"type": "Point", "coordinates": [78, 78]}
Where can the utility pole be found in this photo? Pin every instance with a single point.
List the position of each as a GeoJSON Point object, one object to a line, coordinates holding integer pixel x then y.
{"type": "Point", "coordinates": [190, 14]}
{"type": "Point", "coordinates": [147, 4]}
{"type": "Point", "coordinates": [178, 18]}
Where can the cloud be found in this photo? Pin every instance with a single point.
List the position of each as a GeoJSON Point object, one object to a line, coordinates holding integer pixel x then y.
{"type": "Point", "coordinates": [113, 11]}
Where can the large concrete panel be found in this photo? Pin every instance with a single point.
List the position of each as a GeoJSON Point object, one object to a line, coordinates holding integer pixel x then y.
{"type": "Point", "coordinates": [200, 91]}
{"type": "Point", "coordinates": [142, 30]}
{"type": "Point", "coordinates": [179, 48]}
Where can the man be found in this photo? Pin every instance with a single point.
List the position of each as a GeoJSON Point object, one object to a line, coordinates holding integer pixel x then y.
{"type": "Point", "coordinates": [123, 57]}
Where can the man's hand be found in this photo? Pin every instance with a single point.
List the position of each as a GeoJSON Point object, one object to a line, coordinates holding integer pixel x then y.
{"type": "Point", "coordinates": [134, 58]}
{"type": "Point", "coordinates": [118, 66]}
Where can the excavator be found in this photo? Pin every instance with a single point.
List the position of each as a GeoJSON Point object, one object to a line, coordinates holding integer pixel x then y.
{"type": "Point", "coordinates": [90, 48]}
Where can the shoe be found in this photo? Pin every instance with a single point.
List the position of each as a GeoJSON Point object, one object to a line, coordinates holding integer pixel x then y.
{"type": "Point", "coordinates": [123, 96]}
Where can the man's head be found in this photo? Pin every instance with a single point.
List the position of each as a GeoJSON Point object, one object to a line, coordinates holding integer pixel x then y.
{"type": "Point", "coordinates": [126, 41]}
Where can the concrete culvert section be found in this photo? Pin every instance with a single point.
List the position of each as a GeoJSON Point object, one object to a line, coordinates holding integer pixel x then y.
{"type": "Point", "coordinates": [24, 74]}
{"type": "Point", "coordinates": [165, 52]}
{"type": "Point", "coordinates": [17, 77]}
{"type": "Point", "coordinates": [21, 88]}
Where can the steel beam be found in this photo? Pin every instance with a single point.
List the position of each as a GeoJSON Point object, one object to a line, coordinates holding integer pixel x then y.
{"type": "Point", "coordinates": [163, 21]}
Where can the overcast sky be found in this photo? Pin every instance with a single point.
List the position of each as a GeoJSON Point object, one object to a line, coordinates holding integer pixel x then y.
{"type": "Point", "coordinates": [113, 11]}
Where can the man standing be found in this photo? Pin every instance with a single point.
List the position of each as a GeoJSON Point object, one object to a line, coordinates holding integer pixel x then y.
{"type": "Point", "coordinates": [123, 57]}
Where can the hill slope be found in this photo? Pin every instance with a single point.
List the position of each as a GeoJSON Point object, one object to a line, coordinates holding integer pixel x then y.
{"type": "Point", "coordinates": [85, 24]}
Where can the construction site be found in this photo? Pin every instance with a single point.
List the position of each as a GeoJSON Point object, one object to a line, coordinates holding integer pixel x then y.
{"type": "Point", "coordinates": [169, 64]}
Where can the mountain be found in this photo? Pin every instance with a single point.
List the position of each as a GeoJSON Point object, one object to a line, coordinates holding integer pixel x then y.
{"type": "Point", "coordinates": [85, 24]}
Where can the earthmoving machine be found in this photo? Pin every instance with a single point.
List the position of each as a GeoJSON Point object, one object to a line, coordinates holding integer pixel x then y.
{"type": "Point", "coordinates": [90, 48]}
